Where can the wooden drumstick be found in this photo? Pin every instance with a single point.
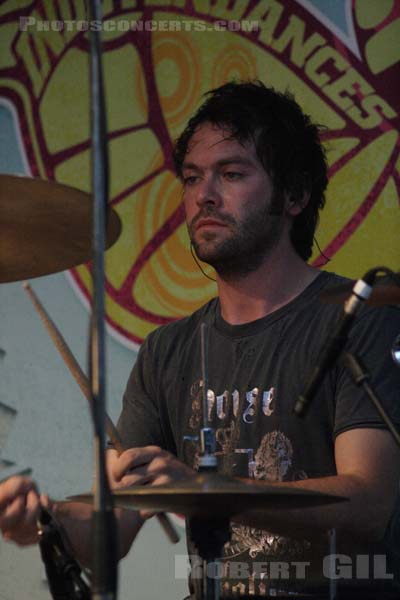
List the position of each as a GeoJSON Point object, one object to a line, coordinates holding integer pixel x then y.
{"type": "Point", "coordinates": [83, 383]}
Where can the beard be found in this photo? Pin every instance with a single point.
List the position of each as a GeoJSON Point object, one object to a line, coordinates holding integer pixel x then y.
{"type": "Point", "coordinates": [247, 243]}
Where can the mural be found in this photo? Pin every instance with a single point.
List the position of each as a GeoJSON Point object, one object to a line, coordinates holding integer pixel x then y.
{"type": "Point", "coordinates": [159, 58]}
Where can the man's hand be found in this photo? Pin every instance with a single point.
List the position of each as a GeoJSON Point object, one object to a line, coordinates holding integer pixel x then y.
{"type": "Point", "coordinates": [19, 508]}
{"type": "Point", "coordinates": [149, 465]}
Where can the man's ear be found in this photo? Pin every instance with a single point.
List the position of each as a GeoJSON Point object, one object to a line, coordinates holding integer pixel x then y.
{"type": "Point", "coordinates": [295, 206]}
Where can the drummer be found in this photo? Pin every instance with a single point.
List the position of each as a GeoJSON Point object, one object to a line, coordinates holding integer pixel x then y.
{"type": "Point", "coordinates": [254, 176]}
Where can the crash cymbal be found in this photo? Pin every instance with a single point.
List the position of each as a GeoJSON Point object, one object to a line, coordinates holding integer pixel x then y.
{"type": "Point", "coordinates": [45, 227]}
{"type": "Point", "coordinates": [213, 494]}
{"type": "Point", "coordinates": [384, 292]}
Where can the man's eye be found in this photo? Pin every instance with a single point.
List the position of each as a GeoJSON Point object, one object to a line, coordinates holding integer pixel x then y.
{"type": "Point", "coordinates": [233, 175]}
{"type": "Point", "coordinates": [190, 180]}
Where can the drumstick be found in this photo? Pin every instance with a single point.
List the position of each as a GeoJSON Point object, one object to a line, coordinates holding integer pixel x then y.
{"type": "Point", "coordinates": [83, 383]}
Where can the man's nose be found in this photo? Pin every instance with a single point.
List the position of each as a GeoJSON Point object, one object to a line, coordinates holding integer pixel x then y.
{"type": "Point", "coordinates": [208, 192]}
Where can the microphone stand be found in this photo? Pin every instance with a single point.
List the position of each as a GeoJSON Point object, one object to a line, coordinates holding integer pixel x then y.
{"type": "Point", "coordinates": [104, 530]}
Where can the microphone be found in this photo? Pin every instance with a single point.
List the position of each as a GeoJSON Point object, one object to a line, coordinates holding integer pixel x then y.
{"type": "Point", "coordinates": [395, 350]}
{"type": "Point", "coordinates": [359, 294]}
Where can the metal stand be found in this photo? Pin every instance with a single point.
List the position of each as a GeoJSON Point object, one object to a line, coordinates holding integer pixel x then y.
{"type": "Point", "coordinates": [209, 536]}
{"type": "Point", "coordinates": [104, 529]}
{"type": "Point", "coordinates": [62, 570]}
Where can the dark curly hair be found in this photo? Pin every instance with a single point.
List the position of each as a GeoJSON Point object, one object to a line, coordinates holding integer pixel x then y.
{"type": "Point", "coordinates": [286, 141]}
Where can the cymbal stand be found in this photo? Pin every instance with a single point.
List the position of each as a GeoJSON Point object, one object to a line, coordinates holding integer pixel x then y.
{"type": "Point", "coordinates": [104, 528]}
{"type": "Point", "coordinates": [207, 458]}
{"type": "Point", "coordinates": [208, 534]}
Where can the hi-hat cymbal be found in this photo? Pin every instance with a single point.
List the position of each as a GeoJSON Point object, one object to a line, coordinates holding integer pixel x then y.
{"type": "Point", "coordinates": [45, 227]}
{"type": "Point", "coordinates": [384, 292]}
{"type": "Point", "coordinates": [213, 495]}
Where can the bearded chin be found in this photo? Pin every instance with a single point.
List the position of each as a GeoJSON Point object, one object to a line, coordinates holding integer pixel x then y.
{"type": "Point", "coordinates": [234, 257]}
{"type": "Point", "coordinates": [248, 245]}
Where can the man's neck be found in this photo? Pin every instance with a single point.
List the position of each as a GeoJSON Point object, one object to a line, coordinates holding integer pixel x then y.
{"type": "Point", "coordinates": [280, 279]}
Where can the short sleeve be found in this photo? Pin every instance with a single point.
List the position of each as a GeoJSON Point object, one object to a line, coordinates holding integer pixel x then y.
{"type": "Point", "coordinates": [139, 421]}
{"type": "Point", "coordinates": [371, 340]}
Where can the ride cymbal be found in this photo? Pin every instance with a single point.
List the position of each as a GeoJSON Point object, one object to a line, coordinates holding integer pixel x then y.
{"type": "Point", "coordinates": [212, 494]}
{"type": "Point", "coordinates": [45, 227]}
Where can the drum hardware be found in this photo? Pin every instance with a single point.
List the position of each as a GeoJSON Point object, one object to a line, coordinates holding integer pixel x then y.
{"type": "Point", "coordinates": [213, 494]}
{"type": "Point", "coordinates": [207, 458]}
{"type": "Point", "coordinates": [104, 525]}
{"type": "Point", "coordinates": [208, 534]}
{"type": "Point", "coordinates": [217, 495]}
{"type": "Point", "coordinates": [332, 554]}
{"type": "Point", "coordinates": [239, 463]}
{"type": "Point", "coordinates": [81, 379]}
{"type": "Point", "coordinates": [45, 229]}
{"type": "Point", "coordinates": [64, 573]}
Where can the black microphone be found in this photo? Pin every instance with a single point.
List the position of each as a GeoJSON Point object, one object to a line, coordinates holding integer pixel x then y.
{"type": "Point", "coordinates": [359, 294]}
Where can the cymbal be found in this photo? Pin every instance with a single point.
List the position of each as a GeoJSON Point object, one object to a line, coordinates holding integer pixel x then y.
{"type": "Point", "coordinates": [45, 227]}
{"type": "Point", "coordinates": [384, 292]}
{"type": "Point", "coordinates": [212, 494]}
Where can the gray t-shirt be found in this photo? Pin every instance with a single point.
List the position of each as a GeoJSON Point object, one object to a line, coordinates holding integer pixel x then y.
{"type": "Point", "coordinates": [255, 372]}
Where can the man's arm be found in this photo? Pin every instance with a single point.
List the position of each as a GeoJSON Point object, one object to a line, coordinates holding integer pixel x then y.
{"type": "Point", "coordinates": [20, 504]}
{"type": "Point", "coordinates": [368, 473]}
{"type": "Point", "coordinates": [76, 521]}
{"type": "Point", "coordinates": [136, 466]}
{"type": "Point", "coordinates": [76, 518]}
{"type": "Point", "coordinates": [368, 468]}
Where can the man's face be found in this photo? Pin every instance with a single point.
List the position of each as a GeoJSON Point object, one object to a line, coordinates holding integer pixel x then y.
{"type": "Point", "coordinates": [228, 197]}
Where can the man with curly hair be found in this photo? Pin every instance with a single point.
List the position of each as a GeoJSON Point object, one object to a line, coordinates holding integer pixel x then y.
{"type": "Point", "coordinates": [254, 176]}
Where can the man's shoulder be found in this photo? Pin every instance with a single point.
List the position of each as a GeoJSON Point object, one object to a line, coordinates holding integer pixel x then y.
{"type": "Point", "coordinates": [181, 329]}
{"type": "Point", "coordinates": [371, 318]}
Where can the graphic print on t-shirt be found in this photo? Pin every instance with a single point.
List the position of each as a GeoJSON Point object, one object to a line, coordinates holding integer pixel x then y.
{"type": "Point", "coordinates": [268, 457]}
